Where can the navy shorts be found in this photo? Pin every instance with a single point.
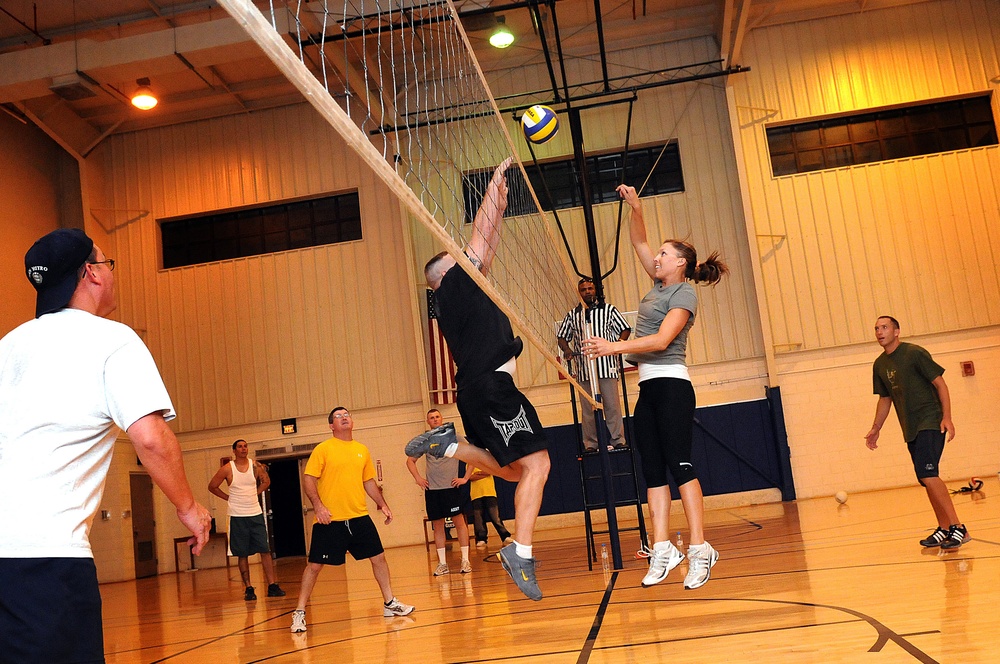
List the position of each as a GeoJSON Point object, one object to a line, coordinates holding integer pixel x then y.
{"type": "Point", "coordinates": [926, 450]}
{"type": "Point", "coordinates": [50, 611]}
{"type": "Point", "coordinates": [499, 419]}
{"type": "Point", "coordinates": [444, 503]}
{"type": "Point", "coordinates": [247, 536]}
{"type": "Point", "coordinates": [332, 541]}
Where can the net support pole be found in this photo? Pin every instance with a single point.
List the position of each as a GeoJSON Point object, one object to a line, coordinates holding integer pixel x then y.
{"type": "Point", "coordinates": [603, 439]}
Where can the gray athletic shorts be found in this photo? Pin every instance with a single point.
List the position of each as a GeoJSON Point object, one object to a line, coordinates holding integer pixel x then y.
{"type": "Point", "coordinates": [247, 536]}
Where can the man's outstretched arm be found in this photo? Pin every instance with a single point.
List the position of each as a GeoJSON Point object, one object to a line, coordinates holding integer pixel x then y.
{"type": "Point", "coordinates": [482, 246]}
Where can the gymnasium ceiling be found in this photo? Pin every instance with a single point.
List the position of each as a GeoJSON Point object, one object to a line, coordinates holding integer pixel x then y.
{"type": "Point", "coordinates": [70, 66]}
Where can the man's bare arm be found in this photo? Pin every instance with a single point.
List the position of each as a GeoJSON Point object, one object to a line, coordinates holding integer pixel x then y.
{"type": "Point", "coordinates": [160, 454]}
{"type": "Point", "coordinates": [215, 484]}
{"type": "Point", "coordinates": [489, 218]}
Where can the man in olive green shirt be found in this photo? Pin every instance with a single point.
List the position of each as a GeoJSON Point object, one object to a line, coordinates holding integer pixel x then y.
{"type": "Point", "coordinates": [906, 377]}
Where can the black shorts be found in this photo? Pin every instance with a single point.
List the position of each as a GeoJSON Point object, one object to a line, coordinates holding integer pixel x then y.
{"type": "Point", "coordinates": [50, 611]}
{"type": "Point", "coordinates": [499, 419]}
{"type": "Point", "coordinates": [247, 536]}
{"type": "Point", "coordinates": [332, 541]}
{"type": "Point", "coordinates": [444, 503]}
{"type": "Point", "coordinates": [925, 451]}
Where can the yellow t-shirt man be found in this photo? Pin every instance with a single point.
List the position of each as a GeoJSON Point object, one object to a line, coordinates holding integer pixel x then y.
{"type": "Point", "coordinates": [341, 468]}
{"type": "Point", "coordinates": [481, 488]}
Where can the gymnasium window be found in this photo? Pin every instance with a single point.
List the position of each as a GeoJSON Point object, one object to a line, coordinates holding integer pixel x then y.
{"type": "Point", "coordinates": [217, 236]}
{"type": "Point", "coordinates": [604, 172]}
{"type": "Point", "coordinates": [881, 135]}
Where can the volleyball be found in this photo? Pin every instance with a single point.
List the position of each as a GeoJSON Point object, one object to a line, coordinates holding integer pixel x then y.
{"type": "Point", "coordinates": [841, 497]}
{"type": "Point", "coordinates": [539, 124]}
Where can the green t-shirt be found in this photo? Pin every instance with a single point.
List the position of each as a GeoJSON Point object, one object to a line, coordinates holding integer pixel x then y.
{"type": "Point", "coordinates": [906, 375]}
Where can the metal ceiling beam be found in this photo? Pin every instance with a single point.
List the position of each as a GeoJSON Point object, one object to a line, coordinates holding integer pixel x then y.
{"type": "Point", "coordinates": [669, 76]}
{"type": "Point", "coordinates": [599, 18]}
{"type": "Point", "coordinates": [110, 22]}
{"type": "Point", "coordinates": [33, 30]}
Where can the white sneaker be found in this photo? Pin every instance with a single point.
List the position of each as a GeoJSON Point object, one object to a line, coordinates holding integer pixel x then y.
{"type": "Point", "coordinates": [466, 567]}
{"type": "Point", "coordinates": [660, 563]}
{"type": "Point", "coordinates": [701, 559]}
{"type": "Point", "coordinates": [442, 569]}
{"type": "Point", "coordinates": [480, 545]}
{"type": "Point", "coordinates": [298, 620]}
{"type": "Point", "coordinates": [397, 608]}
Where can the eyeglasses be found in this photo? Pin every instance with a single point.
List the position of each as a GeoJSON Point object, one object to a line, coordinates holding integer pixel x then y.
{"type": "Point", "coordinates": [109, 262]}
{"type": "Point", "coordinates": [341, 416]}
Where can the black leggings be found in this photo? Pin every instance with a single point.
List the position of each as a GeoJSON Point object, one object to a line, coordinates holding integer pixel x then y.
{"type": "Point", "coordinates": [664, 422]}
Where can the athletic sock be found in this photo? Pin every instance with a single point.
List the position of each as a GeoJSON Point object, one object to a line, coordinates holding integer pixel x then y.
{"type": "Point", "coordinates": [465, 554]}
{"type": "Point", "coordinates": [522, 550]}
{"type": "Point", "coordinates": [450, 452]}
{"type": "Point", "coordinates": [661, 546]}
{"type": "Point", "coordinates": [441, 559]}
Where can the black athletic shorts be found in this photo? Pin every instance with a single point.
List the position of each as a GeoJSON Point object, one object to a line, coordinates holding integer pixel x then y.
{"type": "Point", "coordinates": [499, 419]}
{"type": "Point", "coordinates": [247, 536]}
{"type": "Point", "coordinates": [332, 541]}
{"type": "Point", "coordinates": [50, 611]}
{"type": "Point", "coordinates": [444, 503]}
{"type": "Point", "coordinates": [926, 450]}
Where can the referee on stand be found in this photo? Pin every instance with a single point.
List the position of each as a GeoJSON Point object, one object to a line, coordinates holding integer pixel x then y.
{"type": "Point", "coordinates": [607, 322]}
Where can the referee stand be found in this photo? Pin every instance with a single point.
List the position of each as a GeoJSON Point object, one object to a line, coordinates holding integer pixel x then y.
{"type": "Point", "coordinates": [604, 472]}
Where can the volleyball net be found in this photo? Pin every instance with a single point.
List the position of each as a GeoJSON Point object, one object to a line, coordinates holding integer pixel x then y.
{"type": "Point", "coordinates": [400, 84]}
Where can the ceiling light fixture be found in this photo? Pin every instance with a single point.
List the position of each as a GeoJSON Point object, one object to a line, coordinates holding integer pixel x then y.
{"type": "Point", "coordinates": [502, 37]}
{"type": "Point", "coordinates": [143, 98]}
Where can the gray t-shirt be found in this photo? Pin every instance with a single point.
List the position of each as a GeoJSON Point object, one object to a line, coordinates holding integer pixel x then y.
{"type": "Point", "coordinates": [440, 472]}
{"type": "Point", "coordinates": [652, 310]}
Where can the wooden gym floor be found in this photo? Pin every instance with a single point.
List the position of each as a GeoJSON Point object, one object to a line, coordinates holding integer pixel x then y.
{"type": "Point", "coordinates": [809, 581]}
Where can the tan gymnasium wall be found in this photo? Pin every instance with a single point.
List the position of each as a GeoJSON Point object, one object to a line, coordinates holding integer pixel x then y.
{"type": "Point", "coordinates": [916, 238]}
{"type": "Point", "coordinates": [266, 337]}
{"type": "Point", "coordinates": [40, 183]}
{"type": "Point", "coordinates": [243, 343]}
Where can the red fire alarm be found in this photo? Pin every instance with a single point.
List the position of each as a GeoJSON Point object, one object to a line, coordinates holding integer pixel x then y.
{"type": "Point", "coordinates": [968, 369]}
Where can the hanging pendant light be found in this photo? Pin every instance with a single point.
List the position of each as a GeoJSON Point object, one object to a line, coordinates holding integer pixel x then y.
{"type": "Point", "coordinates": [502, 37]}
{"type": "Point", "coordinates": [143, 98]}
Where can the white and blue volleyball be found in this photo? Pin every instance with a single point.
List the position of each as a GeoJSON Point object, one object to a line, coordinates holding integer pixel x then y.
{"type": "Point", "coordinates": [540, 124]}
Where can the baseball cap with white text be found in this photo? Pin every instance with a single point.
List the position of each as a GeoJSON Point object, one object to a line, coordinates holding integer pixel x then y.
{"type": "Point", "coordinates": [52, 265]}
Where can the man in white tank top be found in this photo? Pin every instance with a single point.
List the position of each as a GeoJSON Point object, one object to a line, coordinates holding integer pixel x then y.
{"type": "Point", "coordinates": [247, 533]}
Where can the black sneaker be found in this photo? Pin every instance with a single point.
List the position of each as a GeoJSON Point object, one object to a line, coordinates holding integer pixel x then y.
{"type": "Point", "coordinates": [433, 443]}
{"type": "Point", "coordinates": [957, 536]}
{"type": "Point", "coordinates": [249, 595]}
{"type": "Point", "coordinates": [274, 590]}
{"type": "Point", "coordinates": [936, 538]}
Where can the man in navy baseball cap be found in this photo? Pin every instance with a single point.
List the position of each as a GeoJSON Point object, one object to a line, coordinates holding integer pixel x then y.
{"type": "Point", "coordinates": [70, 380]}
{"type": "Point", "coordinates": [53, 267]}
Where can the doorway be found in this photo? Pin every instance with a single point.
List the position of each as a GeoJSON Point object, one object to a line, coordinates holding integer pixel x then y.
{"type": "Point", "coordinates": [143, 525]}
{"type": "Point", "coordinates": [285, 514]}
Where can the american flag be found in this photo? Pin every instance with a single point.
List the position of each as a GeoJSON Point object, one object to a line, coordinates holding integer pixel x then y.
{"type": "Point", "coordinates": [443, 388]}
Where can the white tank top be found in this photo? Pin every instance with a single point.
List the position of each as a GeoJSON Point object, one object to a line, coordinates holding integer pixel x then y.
{"type": "Point", "coordinates": [243, 492]}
